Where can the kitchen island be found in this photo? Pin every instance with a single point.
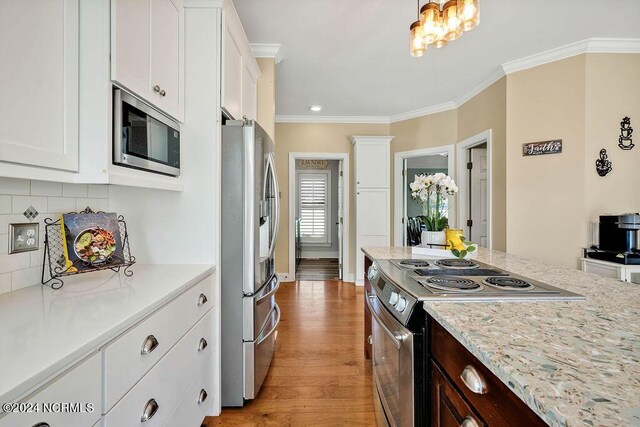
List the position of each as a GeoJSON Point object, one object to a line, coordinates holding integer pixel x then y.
{"type": "Point", "coordinates": [573, 363]}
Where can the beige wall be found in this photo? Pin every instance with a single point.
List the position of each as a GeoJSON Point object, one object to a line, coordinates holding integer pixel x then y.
{"type": "Point", "coordinates": [488, 110]}
{"type": "Point", "coordinates": [613, 92]}
{"type": "Point", "coordinates": [266, 114]}
{"type": "Point", "coordinates": [316, 138]}
{"type": "Point", "coordinates": [546, 194]}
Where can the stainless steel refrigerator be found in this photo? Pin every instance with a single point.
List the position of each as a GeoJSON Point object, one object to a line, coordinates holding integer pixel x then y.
{"type": "Point", "coordinates": [250, 214]}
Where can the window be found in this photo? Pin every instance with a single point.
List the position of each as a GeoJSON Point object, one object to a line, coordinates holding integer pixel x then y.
{"type": "Point", "coordinates": [313, 206]}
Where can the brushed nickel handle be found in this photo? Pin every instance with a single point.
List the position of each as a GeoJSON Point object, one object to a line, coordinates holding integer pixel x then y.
{"type": "Point", "coordinates": [162, 92]}
{"type": "Point", "coordinates": [202, 396]}
{"type": "Point", "coordinates": [473, 380]}
{"type": "Point", "coordinates": [41, 425]}
{"type": "Point", "coordinates": [156, 89]}
{"type": "Point", "coordinates": [203, 344]}
{"type": "Point", "coordinates": [370, 339]}
{"type": "Point", "coordinates": [150, 343]}
{"type": "Point", "coordinates": [150, 410]}
{"type": "Point", "coordinates": [469, 422]}
{"type": "Point", "coordinates": [202, 299]}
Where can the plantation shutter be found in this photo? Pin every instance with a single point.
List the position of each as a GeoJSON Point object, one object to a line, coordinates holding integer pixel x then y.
{"type": "Point", "coordinates": [313, 206]}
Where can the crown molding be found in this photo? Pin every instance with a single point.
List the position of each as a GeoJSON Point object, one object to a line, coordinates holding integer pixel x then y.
{"type": "Point", "coordinates": [594, 45]}
{"type": "Point", "coordinates": [451, 105]}
{"type": "Point", "coordinates": [369, 138]}
{"type": "Point", "coordinates": [268, 50]}
{"type": "Point", "coordinates": [333, 119]}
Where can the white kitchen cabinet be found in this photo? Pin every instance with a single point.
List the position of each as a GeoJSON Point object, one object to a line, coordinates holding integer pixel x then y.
{"type": "Point", "coordinates": [373, 200]}
{"type": "Point", "coordinates": [147, 54]}
{"type": "Point", "coordinates": [39, 84]}
{"type": "Point", "coordinates": [240, 69]}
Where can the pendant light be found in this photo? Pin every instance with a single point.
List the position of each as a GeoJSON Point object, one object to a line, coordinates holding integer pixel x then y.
{"type": "Point", "coordinates": [416, 37]}
{"type": "Point", "coordinates": [469, 14]}
{"type": "Point", "coordinates": [452, 24]}
{"type": "Point", "coordinates": [431, 22]}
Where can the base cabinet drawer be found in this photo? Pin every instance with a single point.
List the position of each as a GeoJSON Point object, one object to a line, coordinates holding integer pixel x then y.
{"type": "Point", "coordinates": [79, 386]}
{"type": "Point", "coordinates": [155, 397]}
{"type": "Point", "coordinates": [196, 404]}
{"type": "Point", "coordinates": [448, 408]}
{"type": "Point", "coordinates": [129, 357]}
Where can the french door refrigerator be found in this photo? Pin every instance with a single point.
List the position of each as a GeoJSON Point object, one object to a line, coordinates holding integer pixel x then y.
{"type": "Point", "coordinates": [250, 214]}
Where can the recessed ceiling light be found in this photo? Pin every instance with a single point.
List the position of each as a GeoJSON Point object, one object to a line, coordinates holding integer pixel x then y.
{"type": "Point", "coordinates": [315, 108]}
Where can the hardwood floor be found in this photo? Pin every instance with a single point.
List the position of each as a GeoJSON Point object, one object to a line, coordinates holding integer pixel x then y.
{"type": "Point", "coordinates": [318, 376]}
{"type": "Point", "coordinates": [318, 269]}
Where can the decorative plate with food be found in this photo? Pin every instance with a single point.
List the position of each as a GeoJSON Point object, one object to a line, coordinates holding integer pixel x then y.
{"type": "Point", "coordinates": [94, 245]}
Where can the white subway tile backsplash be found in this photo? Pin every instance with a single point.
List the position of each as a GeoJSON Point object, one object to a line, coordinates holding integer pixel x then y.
{"type": "Point", "coordinates": [50, 199]}
{"type": "Point", "coordinates": [15, 186]}
{"type": "Point", "coordinates": [14, 262]}
{"type": "Point", "coordinates": [5, 283]}
{"type": "Point", "coordinates": [46, 188]}
{"type": "Point", "coordinates": [5, 204]}
{"type": "Point", "coordinates": [98, 191]}
{"type": "Point", "coordinates": [74, 190]}
{"type": "Point", "coordinates": [21, 203]}
{"type": "Point", "coordinates": [27, 277]}
{"type": "Point", "coordinates": [58, 205]}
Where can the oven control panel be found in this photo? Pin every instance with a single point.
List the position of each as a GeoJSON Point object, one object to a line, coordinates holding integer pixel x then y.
{"type": "Point", "coordinates": [398, 302]}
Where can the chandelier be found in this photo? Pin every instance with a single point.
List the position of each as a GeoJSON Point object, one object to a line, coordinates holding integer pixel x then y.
{"type": "Point", "coordinates": [442, 21]}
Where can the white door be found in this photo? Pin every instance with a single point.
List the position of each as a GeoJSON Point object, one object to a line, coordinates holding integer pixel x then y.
{"type": "Point", "coordinates": [405, 197]}
{"type": "Point", "coordinates": [339, 220]}
{"type": "Point", "coordinates": [479, 196]}
{"type": "Point", "coordinates": [39, 83]}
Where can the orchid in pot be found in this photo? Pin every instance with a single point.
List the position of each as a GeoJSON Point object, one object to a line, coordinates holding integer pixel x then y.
{"type": "Point", "coordinates": [433, 192]}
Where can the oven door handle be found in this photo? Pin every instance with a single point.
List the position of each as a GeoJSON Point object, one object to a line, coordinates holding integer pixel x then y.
{"type": "Point", "coordinates": [395, 336]}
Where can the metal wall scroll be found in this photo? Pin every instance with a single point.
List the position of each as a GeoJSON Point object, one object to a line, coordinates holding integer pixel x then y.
{"type": "Point", "coordinates": [625, 141]}
{"type": "Point", "coordinates": [542, 147]}
{"type": "Point", "coordinates": [603, 166]}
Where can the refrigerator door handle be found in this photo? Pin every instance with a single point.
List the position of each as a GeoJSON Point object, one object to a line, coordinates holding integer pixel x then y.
{"type": "Point", "coordinates": [276, 189]}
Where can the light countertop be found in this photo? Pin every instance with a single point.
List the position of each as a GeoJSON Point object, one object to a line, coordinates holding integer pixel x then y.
{"type": "Point", "coordinates": [42, 331]}
{"type": "Point", "coordinates": [574, 363]}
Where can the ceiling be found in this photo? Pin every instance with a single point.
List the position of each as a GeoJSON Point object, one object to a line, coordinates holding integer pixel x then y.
{"type": "Point", "coordinates": [352, 56]}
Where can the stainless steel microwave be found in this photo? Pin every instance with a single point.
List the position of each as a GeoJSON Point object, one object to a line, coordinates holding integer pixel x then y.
{"type": "Point", "coordinates": [143, 137]}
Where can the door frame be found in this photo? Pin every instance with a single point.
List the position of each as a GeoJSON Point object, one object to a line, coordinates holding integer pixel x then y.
{"type": "Point", "coordinates": [398, 191]}
{"type": "Point", "coordinates": [463, 184]}
{"type": "Point", "coordinates": [346, 256]}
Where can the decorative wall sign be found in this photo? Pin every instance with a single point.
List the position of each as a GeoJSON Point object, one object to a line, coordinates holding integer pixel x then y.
{"type": "Point", "coordinates": [543, 147]}
{"type": "Point", "coordinates": [603, 166]}
{"type": "Point", "coordinates": [625, 142]}
{"type": "Point", "coordinates": [314, 164]}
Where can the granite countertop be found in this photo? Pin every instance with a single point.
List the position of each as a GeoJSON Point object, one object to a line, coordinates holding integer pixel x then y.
{"type": "Point", "coordinates": [43, 331]}
{"type": "Point", "coordinates": [574, 363]}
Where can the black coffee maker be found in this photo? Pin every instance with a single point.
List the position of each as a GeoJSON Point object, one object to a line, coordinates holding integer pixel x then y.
{"type": "Point", "coordinates": [618, 241]}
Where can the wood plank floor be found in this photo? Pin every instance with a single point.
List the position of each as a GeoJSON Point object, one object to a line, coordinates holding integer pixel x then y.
{"type": "Point", "coordinates": [318, 269]}
{"type": "Point", "coordinates": [318, 376]}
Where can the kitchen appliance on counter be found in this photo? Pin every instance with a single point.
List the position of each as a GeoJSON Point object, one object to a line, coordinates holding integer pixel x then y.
{"type": "Point", "coordinates": [143, 137]}
{"type": "Point", "coordinates": [250, 214]}
{"type": "Point", "coordinates": [618, 239]}
{"type": "Point", "coordinates": [399, 340]}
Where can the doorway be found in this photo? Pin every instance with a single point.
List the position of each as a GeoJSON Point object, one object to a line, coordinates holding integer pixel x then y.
{"type": "Point", "coordinates": [317, 205]}
{"type": "Point", "coordinates": [474, 172]}
{"type": "Point", "coordinates": [408, 164]}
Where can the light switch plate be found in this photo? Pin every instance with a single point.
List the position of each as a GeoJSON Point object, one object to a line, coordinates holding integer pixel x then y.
{"type": "Point", "coordinates": [24, 237]}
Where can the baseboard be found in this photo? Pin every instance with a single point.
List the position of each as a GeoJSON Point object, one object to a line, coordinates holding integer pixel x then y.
{"type": "Point", "coordinates": [321, 255]}
{"type": "Point", "coordinates": [285, 277]}
{"type": "Point", "coordinates": [348, 278]}
{"type": "Point", "coordinates": [359, 282]}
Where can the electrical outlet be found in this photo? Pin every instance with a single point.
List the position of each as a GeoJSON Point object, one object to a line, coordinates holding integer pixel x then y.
{"type": "Point", "coordinates": [24, 237]}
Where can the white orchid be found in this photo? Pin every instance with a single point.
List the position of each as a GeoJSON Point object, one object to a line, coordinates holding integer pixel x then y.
{"type": "Point", "coordinates": [432, 191]}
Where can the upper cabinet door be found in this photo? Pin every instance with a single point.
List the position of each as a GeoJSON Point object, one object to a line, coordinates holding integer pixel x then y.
{"type": "Point", "coordinates": [249, 95]}
{"type": "Point", "coordinates": [39, 83]}
{"type": "Point", "coordinates": [232, 75]}
{"type": "Point", "coordinates": [372, 169]}
{"type": "Point", "coordinates": [130, 53]}
{"type": "Point", "coordinates": [166, 39]}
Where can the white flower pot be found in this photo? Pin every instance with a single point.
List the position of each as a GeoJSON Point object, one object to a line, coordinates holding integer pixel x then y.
{"type": "Point", "coordinates": [434, 238]}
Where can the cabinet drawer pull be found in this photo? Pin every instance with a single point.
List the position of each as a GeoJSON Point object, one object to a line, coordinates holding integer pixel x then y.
{"type": "Point", "coordinates": [163, 93]}
{"type": "Point", "coordinates": [473, 380]}
{"type": "Point", "coordinates": [150, 343]}
{"type": "Point", "coordinates": [41, 425]}
{"type": "Point", "coordinates": [370, 339]}
{"type": "Point", "coordinates": [202, 299]}
{"type": "Point", "coordinates": [469, 422]}
{"type": "Point", "coordinates": [203, 344]}
{"type": "Point", "coordinates": [202, 396]}
{"type": "Point", "coordinates": [150, 410]}
{"type": "Point", "coordinates": [156, 89]}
